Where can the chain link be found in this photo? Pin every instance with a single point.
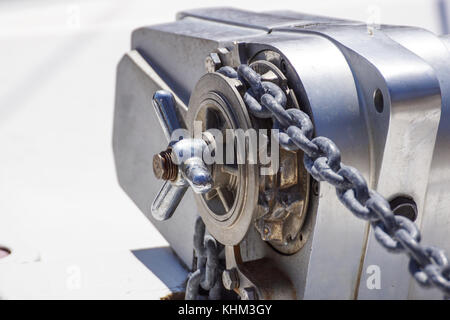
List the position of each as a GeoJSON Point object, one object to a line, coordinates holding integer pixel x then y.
{"type": "Point", "coordinates": [208, 269]}
{"type": "Point", "coordinates": [322, 159]}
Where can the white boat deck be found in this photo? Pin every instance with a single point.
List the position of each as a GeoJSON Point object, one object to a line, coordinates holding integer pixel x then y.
{"type": "Point", "coordinates": [72, 231]}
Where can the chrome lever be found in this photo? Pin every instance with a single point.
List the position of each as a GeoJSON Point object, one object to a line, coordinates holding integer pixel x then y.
{"type": "Point", "coordinates": [164, 104]}
{"type": "Point", "coordinates": [181, 165]}
{"type": "Point", "coordinates": [167, 200]}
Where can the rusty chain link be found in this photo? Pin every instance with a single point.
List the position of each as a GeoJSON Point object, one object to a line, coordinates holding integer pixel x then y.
{"type": "Point", "coordinates": [428, 265]}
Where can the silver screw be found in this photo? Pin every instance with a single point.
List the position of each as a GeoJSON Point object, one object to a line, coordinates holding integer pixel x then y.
{"type": "Point", "coordinates": [230, 279]}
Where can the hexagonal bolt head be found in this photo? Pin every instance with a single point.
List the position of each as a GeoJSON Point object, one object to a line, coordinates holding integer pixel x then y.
{"type": "Point", "coordinates": [212, 62]}
{"type": "Point", "coordinates": [230, 279]}
{"type": "Point", "coordinates": [159, 166]}
{"type": "Point", "coordinates": [163, 167]}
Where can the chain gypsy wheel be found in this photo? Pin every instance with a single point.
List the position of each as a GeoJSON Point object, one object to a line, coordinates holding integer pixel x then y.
{"type": "Point", "coordinates": [228, 208]}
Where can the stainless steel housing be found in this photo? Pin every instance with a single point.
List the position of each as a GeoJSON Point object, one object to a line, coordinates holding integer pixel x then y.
{"type": "Point", "coordinates": [380, 93]}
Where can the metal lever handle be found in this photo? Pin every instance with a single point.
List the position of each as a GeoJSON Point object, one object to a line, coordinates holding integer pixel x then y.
{"type": "Point", "coordinates": [190, 171]}
{"type": "Point", "coordinates": [167, 200]}
{"type": "Point", "coordinates": [169, 196]}
{"type": "Point", "coordinates": [164, 104]}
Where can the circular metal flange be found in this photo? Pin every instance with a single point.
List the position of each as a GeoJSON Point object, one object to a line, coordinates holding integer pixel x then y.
{"type": "Point", "coordinates": [228, 208]}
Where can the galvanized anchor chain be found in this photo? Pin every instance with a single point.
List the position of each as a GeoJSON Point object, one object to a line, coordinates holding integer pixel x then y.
{"type": "Point", "coordinates": [207, 274]}
{"type": "Point", "coordinates": [428, 265]}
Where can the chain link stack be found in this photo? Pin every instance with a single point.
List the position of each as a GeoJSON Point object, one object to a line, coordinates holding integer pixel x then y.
{"type": "Point", "coordinates": [207, 274]}
{"type": "Point", "coordinates": [428, 265]}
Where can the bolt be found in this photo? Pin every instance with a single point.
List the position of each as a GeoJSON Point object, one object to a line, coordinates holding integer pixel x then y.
{"type": "Point", "coordinates": [163, 166]}
{"type": "Point", "coordinates": [248, 294]}
{"type": "Point", "coordinates": [212, 62]}
{"type": "Point", "coordinates": [159, 166]}
{"type": "Point", "coordinates": [230, 279]}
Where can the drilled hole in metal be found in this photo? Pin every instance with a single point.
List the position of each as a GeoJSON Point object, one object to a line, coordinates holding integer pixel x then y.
{"type": "Point", "coordinates": [404, 206]}
{"type": "Point", "coordinates": [378, 100]}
